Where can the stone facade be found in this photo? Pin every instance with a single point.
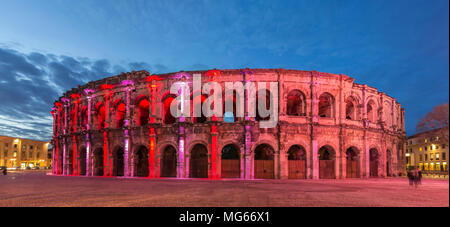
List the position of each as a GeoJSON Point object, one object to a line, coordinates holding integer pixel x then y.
{"type": "Point", "coordinates": [329, 127]}
{"type": "Point", "coordinates": [427, 152]}
{"type": "Point", "coordinates": [16, 152]}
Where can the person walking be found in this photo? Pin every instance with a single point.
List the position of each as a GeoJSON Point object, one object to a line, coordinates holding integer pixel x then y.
{"type": "Point", "coordinates": [419, 176]}
{"type": "Point", "coordinates": [4, 171]}
{"type": "Point", "coordinates": [410, 177]}
{"type": "Point", "coordinates": [416, 178]}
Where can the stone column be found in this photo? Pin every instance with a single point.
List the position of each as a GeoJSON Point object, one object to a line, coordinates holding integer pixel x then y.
{"type": "Point", "coordinates": [126, 156]}
{"type": "Point", "coordinates": [89, 168]}
{"type": "Point", "coordinates": [313, 165]}
{"type": "Point", "coordinates": [65, 167]}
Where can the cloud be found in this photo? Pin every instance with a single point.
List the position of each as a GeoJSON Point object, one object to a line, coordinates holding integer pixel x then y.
{"type": "Point", "coordinates": [30, 83]}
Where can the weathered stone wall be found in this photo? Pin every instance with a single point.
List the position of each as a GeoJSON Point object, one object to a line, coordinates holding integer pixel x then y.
{"type": "Point", "coordinates": [376, 121]}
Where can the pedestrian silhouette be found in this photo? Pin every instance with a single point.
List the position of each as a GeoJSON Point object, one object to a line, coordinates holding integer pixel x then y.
{"type": "Point", "coordinates": [411, 177]}
{"type": "Point", "coordinates": [419, 176]}
{"type": "Point", "coordinates": [4, 171]}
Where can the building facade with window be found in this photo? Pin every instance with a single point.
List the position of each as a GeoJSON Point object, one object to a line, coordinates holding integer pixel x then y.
{"type": "Point", "coordinates": [428, 152]}
{"type": "Point", "coordinates": [23, 153]}
{"type": "Point", "coordinates": [327, 127]}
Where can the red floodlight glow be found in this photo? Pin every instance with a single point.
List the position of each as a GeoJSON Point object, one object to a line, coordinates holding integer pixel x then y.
{"type": "Point", "coordinates": [152, 78]}
{"type": "Point", "coordinates": [106, 86]}
{"type": "Point", "coordinates": [214, 72]}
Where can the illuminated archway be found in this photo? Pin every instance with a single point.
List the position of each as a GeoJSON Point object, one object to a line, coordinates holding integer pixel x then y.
{"type": "Point", "coordinates": [198, 163]}
{"type": "Point", "coordinates": [352, 159]}
{"type": "Point", "coordinates": [141, 162]}
{"type": "Point", "coordinates": [264, 162]}
{"type": "Point", "coordinates": [326, 105]}
{"type": "Point", "coordinates": [143, 107]}
{"type": "Point", "coordinates": [231, 162]}
{"type": "Point", "coordinates": [296, 105]}
{"type": "Point", "coordinates": [297, 162]}
{"type": "Point", "coordinates": [374, 159]}
{"type": "Point", "coordinates": [98, 162]}
{"type": "Point", "coordinates": [118, 162]}
{"type": "Point", "coordinates": [169, 162]}
{"type": "Point", "coordinates": [327, 162]}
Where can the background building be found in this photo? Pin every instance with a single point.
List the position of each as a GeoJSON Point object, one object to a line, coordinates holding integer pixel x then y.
{"type": "Point", "coordinates": [16, 152]}
{"type": "Point", "coordinates": [427, 152]}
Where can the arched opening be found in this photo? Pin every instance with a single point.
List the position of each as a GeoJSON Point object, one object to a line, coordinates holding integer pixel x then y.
{"type": "Point", "coordinates": [326, 102]}
{"type": "Point", "coordinates": [72, 123]}
{"type": "Point", "coordinates": [297, 162]}
{"type": "Point", "coordinates": [84, 117]}
{"type": "Point", "coordinates": [388, 163]}
{"type": "Point", "coordinates": [168, 117]}
{"type": "Point", "coordinates": [143, 111]}
{"type": "Point", "coordinates": [101, 116]}
{"type": "Point", "coordinates": [230, 163]}
{"type": "Point", "coordinates": [118, 162]}
{"type": "Point", "coordinates": [169, 162]}
{"type": "Point", "coordinates": [296, 105]}
{"type": "Point", "coordinates": [374, 156]}
{"type": "Point", "coordinates": [327, 163]}
{"type": "Point", "coordinates": [350, 109]}
{"type": "Point", "coordinates": [98, 162]}
{"type": "Point", "coordinates": [69, 162]}
{"type": "Point", "coordinates": [198, 164]}
{"type": "Point", "coordinates": [141, 162]}
{"type": "Point", "coordinates": [371, 111]}
{"type": "Point", "coordinates": [352, 159]}
{"type": "Point", "coordinates": [264, 162]}
{"type": "Point", "coordinates": [260, 100]}
{"type": "Point", "coordinates": [231, 116]}
{"type": "Point", "coordinates": [198, 106]}
{"type": "Point", "coordinates": [82, 161]}
{"type": "Point", "coordinates": [60, 161]}
{"type": "Point", "coordinates": [120, 115]}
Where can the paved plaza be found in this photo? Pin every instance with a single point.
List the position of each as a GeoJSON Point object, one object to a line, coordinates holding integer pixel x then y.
{"type": "Point", "coordinates": [36, 188]}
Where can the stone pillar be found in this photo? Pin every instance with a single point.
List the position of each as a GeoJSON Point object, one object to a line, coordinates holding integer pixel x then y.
{"type": "Point", "coordinates": [284, 163]}
{"type": "Point", "coordinates": [89, 168]}
{"type": "Point", "coordinates": [343, 160]}
{"type": "Point", "coordinates": [313, 166]}
{"type": "Point", "coordinates": [181, 171]}
{"type": "Point", "coordinates": [65, 167]}
{"type": "Point", "coordinates": [248, 153]}
{"type": "Point", "coordinates": [248, 164]}
{"type": "Point", "coordinates": [105, 140]}
{"type": "Point", "coordinates": [126, 156]}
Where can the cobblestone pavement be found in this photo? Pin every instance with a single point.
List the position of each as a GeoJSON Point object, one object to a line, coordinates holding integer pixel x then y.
{"type": "Point", "coordinates": [36, 188]}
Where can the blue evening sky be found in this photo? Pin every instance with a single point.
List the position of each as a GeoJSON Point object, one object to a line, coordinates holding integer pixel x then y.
{"type": "Point", "coordinates": [49, 46]}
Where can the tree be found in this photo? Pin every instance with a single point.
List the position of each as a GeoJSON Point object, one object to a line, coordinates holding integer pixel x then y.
{"type": "Point", "coordinates": [436, 120]}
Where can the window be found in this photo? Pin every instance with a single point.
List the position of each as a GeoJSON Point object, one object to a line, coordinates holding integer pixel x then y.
{"type": "Point", "coordinates": [420, 158]}
{"type": "Point", "coordinates": [437, 156]}
{"type": "Point", "coordinates": [326, 105]}
{"type": "Point", "coordinates": [31, 147]}
{"type": "Point", "coordinates": [296, 105]}
{"type": "Point", "coordinates": [431, 157]}
{"type": "Point", "coordinates": [420, 149]}
{"type": "Point", "coordinates": [6, 154]}
{"type": "Point", "coordinates": [6, 144]}
{"type": "Point", "coordinates": [15, 145]}
{"type": "Point", "coordinates": [443, 146]}
{"type": "Point", "coordinates": [444, 156]}
{"type": "Point", "coordinates": [426, 140]}
{"type": "Point", "coordinates": [426, 148]}
{"type": "Point", "coordinates": [426, 157]}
